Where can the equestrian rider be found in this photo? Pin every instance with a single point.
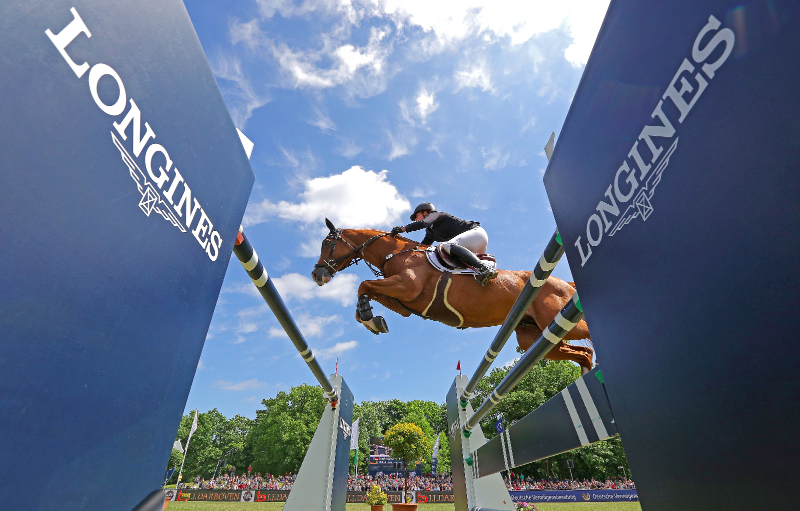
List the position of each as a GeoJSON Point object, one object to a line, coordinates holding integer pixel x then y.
{"type": "Point", "coordinates": [461, 239]}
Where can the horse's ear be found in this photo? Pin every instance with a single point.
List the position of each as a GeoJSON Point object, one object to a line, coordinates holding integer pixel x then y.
{"type": "Point", "coordinates": [330, 225]}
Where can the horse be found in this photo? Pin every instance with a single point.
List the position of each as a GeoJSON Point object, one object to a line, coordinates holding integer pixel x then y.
{"type": "Point", "coordinates": [409, 284]}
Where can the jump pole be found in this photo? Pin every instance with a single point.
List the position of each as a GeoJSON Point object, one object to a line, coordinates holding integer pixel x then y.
{"type": "Point", "coordinates": [322, 480]}
{"type": "Point", "coordinates": [547, 262]}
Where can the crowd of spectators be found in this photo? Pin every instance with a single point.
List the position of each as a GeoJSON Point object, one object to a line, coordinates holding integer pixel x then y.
{"type": "Point", "coordinates": [230, 481]}
{"type": "Point", "coordinates": [441, 482]}
{"type": "Point", "coordinates": [522, 483]}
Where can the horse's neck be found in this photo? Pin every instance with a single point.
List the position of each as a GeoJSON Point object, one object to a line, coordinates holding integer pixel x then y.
{"type": "Point", "coordinates": [375, 253]}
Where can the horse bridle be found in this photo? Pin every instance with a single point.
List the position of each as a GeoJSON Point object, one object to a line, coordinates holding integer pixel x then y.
{"type": "Point", "coordinates": [330, 263]}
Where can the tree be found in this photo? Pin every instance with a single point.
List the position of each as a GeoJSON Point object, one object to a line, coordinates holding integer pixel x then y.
{"type": "Point", "coordinates": [282, 432]}
{"type": "Point", "coordinates": [408, 443]}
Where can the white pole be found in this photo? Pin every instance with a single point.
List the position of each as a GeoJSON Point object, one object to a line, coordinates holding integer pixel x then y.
{"type": "Point", "coordinates": [185, 452]}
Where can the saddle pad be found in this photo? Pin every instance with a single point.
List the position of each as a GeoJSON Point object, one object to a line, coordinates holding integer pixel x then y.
{"type": "Point", "coordinates": [430, 253]}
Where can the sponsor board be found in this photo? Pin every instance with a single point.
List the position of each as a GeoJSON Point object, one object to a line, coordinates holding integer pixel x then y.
{"type": "Point", "coordinates": [575, 496]}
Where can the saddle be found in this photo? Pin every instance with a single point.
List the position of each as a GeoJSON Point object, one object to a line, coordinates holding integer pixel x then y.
{"type": "Point", "coordinates": [443, 262]}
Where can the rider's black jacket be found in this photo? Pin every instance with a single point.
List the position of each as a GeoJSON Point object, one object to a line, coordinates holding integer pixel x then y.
{"type": "Point", "coordinates": [441, 226]}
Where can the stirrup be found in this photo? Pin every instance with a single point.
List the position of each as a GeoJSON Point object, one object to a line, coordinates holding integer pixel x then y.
{"type": "Point", "coordinates": [485, 276]}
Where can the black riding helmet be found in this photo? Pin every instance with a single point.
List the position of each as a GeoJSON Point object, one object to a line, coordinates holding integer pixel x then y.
{"type": "Point", "coordinates": [425, 206]}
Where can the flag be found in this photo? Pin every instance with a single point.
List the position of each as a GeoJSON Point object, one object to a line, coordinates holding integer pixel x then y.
{"type": "Point", "coordinates": [177, 445]}
{"type": "Point", "coordinates": [458, 367]}
{"type": "Point", "coordinates": [354, 435]}
{"type": "Point", "coordinates": [435, 456]}
{"type": "Point", "coordinates": [499, 426]}
{"type": "Point", "coordinates": [194, 428]}
{"type": "Point", "coordinates": [337, 366]}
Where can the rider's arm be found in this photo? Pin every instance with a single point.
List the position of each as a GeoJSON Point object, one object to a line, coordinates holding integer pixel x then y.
{"type": "Point", "coordinates": [425, 222]}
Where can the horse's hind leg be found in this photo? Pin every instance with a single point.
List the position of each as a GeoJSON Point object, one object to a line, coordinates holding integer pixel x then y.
{"type": "Point", "coordinates": [581, 355]}
{"type": "Point", "coordinates": [528, 332]}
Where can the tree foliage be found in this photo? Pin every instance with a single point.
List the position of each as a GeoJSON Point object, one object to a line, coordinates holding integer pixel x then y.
{"type": "Point", "coordinates": [283, 431]}
{"type": "Point", "coordinates": [277, 440]}
{"type": "Point", "coordinates": [408, 442]}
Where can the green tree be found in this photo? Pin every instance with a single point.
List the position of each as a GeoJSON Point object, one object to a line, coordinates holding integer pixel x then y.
{"type": "Point", "coordinates": [408, 443]}
{"type": "Point", "coordinates": [282, 432]}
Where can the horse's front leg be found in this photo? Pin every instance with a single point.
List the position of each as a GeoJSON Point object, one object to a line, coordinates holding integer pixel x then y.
{"type": "Point", "coordinates": [383, 291]}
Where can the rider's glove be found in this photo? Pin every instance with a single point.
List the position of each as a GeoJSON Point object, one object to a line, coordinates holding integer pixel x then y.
{"type": "Point", "coordinates": [397, 230]}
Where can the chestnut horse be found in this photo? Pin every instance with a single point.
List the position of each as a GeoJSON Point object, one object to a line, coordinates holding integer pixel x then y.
{"type": "Point", "coordinates": [409, 282]}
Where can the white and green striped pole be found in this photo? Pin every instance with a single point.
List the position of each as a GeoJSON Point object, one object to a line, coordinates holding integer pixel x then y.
{"type": "Point", "coordinates": [552, 253]}
{"type": "Point", "coordinates": [555, 332]}
{"type": "Point", "coordinates": [247, 256]}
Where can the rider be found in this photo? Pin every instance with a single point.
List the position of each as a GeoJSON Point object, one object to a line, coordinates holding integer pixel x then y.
{"type": "Point", "coordinates": [461, 239]}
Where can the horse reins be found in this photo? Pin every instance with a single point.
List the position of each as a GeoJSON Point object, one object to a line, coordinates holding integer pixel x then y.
{"type": "Point", "coordinates": [330, 263]}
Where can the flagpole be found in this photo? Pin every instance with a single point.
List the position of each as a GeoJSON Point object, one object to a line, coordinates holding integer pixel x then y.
{"type": "Point", "coordinates": [186, 450]}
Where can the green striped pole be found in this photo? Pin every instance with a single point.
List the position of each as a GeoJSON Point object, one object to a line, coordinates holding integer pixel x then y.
{"type": "Point", "coordinates": [555, 332]}
{"type": "Point", "coordinates": [552, 253]}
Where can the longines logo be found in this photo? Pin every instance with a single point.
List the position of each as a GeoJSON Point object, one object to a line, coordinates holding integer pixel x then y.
{"type": "Point", "coordinates": [624, 185]}
{"type": "Point", "coordinates": [346, 428]}
{"type": "Point", "coordinates": [159, 184]}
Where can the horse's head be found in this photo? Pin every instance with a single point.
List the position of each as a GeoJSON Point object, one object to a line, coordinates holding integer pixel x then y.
{"type": "Point", "coordinates": [336, 254]}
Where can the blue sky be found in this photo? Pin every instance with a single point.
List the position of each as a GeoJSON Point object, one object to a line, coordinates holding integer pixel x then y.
{"type": "Point", "coordinates": [358, 111]}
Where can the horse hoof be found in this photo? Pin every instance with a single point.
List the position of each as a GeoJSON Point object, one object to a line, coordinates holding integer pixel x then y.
{"type": "Point", "coordinates": [381, 325]}
{"type": "Point", "coordinates": [584, 371]}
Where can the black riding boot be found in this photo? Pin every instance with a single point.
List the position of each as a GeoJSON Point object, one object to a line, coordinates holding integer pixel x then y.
{"type": "Point", "coordinates": [465, 255]}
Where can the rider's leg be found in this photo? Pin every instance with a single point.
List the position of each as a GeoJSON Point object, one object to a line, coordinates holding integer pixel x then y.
{"type": "Point", "coordinates": [463, 248]}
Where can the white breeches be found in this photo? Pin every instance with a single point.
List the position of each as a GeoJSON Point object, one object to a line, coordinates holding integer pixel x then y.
{"type": "Point", "coordinates": [474, 239]}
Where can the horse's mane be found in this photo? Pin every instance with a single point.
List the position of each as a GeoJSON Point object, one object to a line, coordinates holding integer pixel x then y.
{"type": "Point", "coordinates": [376, 232]}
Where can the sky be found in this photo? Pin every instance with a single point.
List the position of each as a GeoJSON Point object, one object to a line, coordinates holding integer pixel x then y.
{"type": "Point", "coordinates": [359, 110]}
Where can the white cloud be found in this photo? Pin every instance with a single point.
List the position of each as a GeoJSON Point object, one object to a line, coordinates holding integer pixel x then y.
{"type": "Point", "coordinates": [400, 143]}
{"type": "Point", "coordinates": [337, 349]}
{"type": "Point", "coordinates": [475, 75]}
{"type": "Point", "coordinates": [311, 326]}
{"type": "Point", "coordinates": [200, 365]}
{"type": "Point", "coordinates": [494, 159]}
{"type": "Point", "coordinates": [241, 95]}
{"type": "Point", "coordinates": [361, 68]}
{"type": "Point", "coordinates": [426, 104]}
{"type": "Point", "coordinates": [342, 288]}
{"type": "Point", "coordinates": [349, 149]}
{"type": "Point", "coordinates": [242, 385]}
{"type": "Point", "coordinates": [322, 121]}
{"type": "Point", "coordinates": [455, 20]}
{"type": "Point", "coordinates": [356, 197]}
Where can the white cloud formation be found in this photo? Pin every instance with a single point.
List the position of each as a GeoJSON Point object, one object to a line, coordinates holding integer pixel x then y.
{"type": "Point", "coordinates": [356, 197]}
{"type": "Point", "coordinates": [322, 121]}
{"type": "Point", "coordinates": [349, 149]}
{"type": "Point", "coordinates": [241, 95]}
{"type": "Point", "coordinates": [341, 289]}
{"type": "Point", "coordinates": [494, 158]}
{"type": "Point", "coordinates": [426, 104]}
{"type": "Point", "coordinates": [475, 75]}
{"type": "Point", "coordinates": [311, 326]}
{"type": "Point", "coordinates": [242, 385]}
{"type": "Point", "coordinates": [336, 350]}
{"type": "Point", "coordinates": [454, 20]}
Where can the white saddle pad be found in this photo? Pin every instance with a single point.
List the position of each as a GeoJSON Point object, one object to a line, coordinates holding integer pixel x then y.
{"type": "Point", "coordinates": [430, 253]}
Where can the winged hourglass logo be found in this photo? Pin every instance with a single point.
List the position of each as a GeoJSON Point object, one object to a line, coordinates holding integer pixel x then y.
{"type": "Point", "coordinates": [151, 199]}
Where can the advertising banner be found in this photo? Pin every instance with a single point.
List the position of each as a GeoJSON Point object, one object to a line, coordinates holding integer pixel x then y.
{"type": "Point", "coordinates": [122, 187]}
{"type": "Point", "coordinates": [674, 176]}
{"type": "Point", "coordinates": [575, 496]}
{"type": "Point", "coordinates": [423, 497]}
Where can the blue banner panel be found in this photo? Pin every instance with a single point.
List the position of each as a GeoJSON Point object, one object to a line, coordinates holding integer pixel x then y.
{"type": "Point", "coordinates": [122, 187]}
{"type": "Point", "coordinates": [674, 184]}
{"type": "Point", "coordinates": [575, 496]}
